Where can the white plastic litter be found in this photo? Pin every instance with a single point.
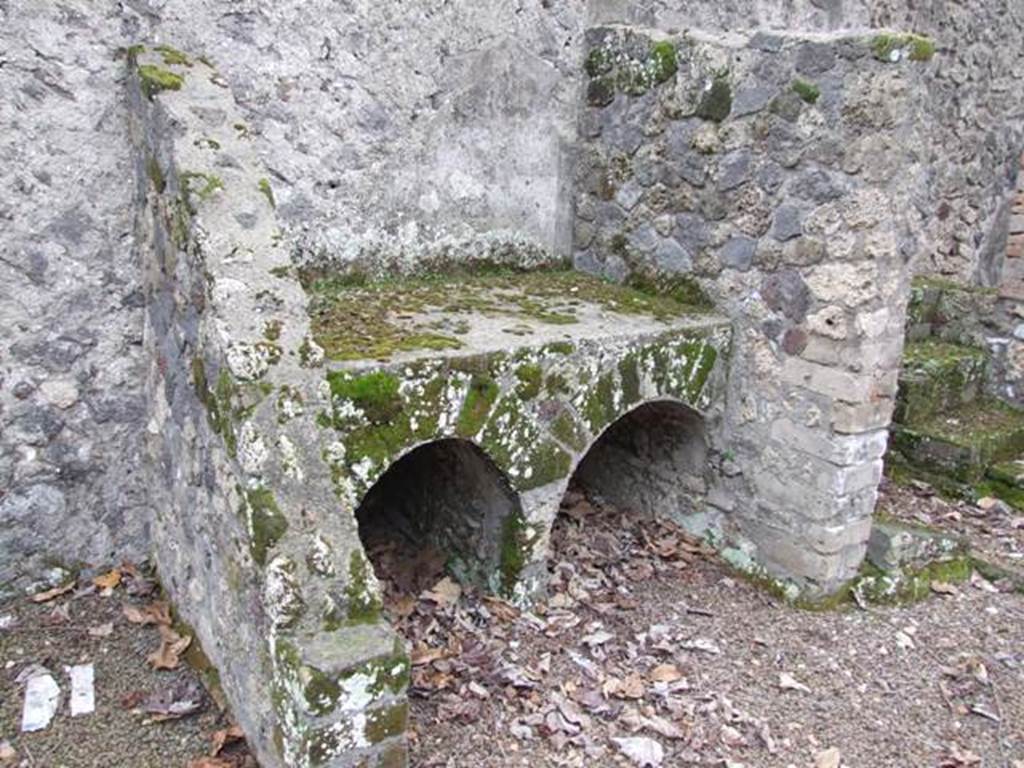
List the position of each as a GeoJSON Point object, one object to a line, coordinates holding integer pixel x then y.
{"type": "Point", "coordinates": [83, 696]}
{"type": "Point", "coordinates": [42, 697]}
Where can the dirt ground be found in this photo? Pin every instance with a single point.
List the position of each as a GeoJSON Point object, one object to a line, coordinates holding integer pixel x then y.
{"type": "Point", "coordinates": [647, 651]}
{"type": "Point", "coordinates": [144, 717]}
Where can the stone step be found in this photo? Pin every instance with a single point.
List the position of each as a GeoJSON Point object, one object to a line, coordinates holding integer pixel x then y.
{"type": "Point", "coordinates": [938, 377]}
{"type": "Point", "coordinates": [964, 443]}
{"type": "Point", "coordinates": [1005, 481]}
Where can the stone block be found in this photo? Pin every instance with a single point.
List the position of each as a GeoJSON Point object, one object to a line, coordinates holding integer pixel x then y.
{"type": "Point", "coordinates": [858, 418]}
{"type": "Point", "coordinates": [836, 539]}
{"type": "Point", "coordinates": [894, 546]}
{"type": "Point", "coordinates": [837, 384]}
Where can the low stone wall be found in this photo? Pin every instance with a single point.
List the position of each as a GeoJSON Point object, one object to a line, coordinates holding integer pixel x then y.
{"type": "Point", "coordinates": [248, 539]}
{"type": "Point", "coordinates": [782, 171]}
{"type": "Point", "coordinates": [262, 443]}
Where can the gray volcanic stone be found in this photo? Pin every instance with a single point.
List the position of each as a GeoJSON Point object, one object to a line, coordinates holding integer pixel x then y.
{"type": "Point", "coordinates": [785, 291]}
{"type": "Point", "coordinates": [738, 253]}
{"type": "Point", "coordinates": [787, 223]}
{"type": "Point", "coordinates": [734, 170]}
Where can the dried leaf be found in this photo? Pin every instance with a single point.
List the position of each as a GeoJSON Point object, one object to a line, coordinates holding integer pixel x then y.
{"type": "Point", "coordinates": [422, 655]}
{"type": "Point", "coordinates": [51, 594]}
{"type": "Point", "coordinates": [597, 638]}
{"type": "Point", "coordinates": [943, 588]}
{"type": "Point", "coordinates": [154, 613]}
{"type": "Point", "coordinates": [663, 727]}
{"type": "Point", "coordinates": [703, 645]}
{"type": "Point", "coordinates": [665, 673]}
{"type": "Point", "coordinates": [223, 738]}
{"type": "Point", "coordinates": [168, 654]}
{"type": "Point", "coordinates": [445, 593]}
{"type": "Point", "coordinates": [108, 580]}
{"type": "Point", "coordinates": [102, 630]}
{"type": "Point", "coordinates": [7, 753]}
{"type": "Point", "coordinates": [827, 758]}
{"type": "Point", "coordinates": [642, 751]}
{"type": "Point", "coordinates": [211, 762]}
{"type": "Point", "coordinates": [185, 698]}
{"type": "Point", "coordinates": [789, 683]}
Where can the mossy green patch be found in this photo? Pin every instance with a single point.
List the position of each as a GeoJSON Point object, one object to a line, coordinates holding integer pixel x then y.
{"type": "Point", "coordinates": [568, 431]}
{"type": "Point", "coordinates": [515, 547]}
{"type": "Point", "coordinates": [599, 61]}
{"type": "Point", "coordinates": [364, 604]}
{"type": "Point", "coordinates": [375, 320]}
{"type": "Point", "coordinates": [272, 330]}
{"type": "Point", "coordinates": [267, 191]}
{"type": "Point", "coordinates": [219, 402]}
{"type": "Point", "coordinates": [716, 103]}
{"type": "Point", "coordinates": [376, 394]}
{"type": "Point", "coordinates": [483, 391]}
{"type": "Point", "coordinates": [153, 80]}
{"type": "Point", "coordinates": [268, 523]}
{"type": "Point", "coordinates": [387, 722]}
{"type": "Point", "coordinates": [155, 174]}
{"type": "Point", "coordinates": [905, 586]}
{"type": "Point", "coordinates": [663, 63]}
{"type": "Point", "coordinates": [891, 47]}
{"type": "Point", "coordinates": [809, 92]}
{"type": "Point", "coordinates": [202, 185]}
{"type": "Point", "coordinates": [629, 375]}
{"type": "Point", "coordinates": [172, 56]}
{"type": "Point", "coordinates": [600, 408]}
{"type": "Point", "coordinates": [531, 379]}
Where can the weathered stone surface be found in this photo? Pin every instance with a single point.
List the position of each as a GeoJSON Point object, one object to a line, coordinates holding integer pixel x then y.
{"type": "Point", "coordinates": [802, 249]}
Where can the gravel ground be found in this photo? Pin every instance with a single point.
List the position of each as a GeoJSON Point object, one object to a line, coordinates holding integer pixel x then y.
{"type": "Point", "coordinates": [86, 627]}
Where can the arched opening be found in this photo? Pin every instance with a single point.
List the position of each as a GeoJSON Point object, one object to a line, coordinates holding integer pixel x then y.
{"type": "Point", "coordinates": [650, 462]}
{"type": "Point", "coordinates": [443, 507]}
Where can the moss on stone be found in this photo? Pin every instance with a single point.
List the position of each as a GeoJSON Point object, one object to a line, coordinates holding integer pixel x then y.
{"type": "Point", "coordinates": [155, 174]}
{"type": "Point", "coordinates": [515, 544]}
{"type": "Point", "coordinates": [663, 61]}
{"type": "Point", "coordinates": [219, 402]}
{"type": "Point", "coordinates": [387, 722]}
{"type": "Point", "coordinates": [153, 80]}
{"type": "Point", "coordinates": [268, 523]}
{"type": "Point", "coordinates": [905, 586]}
{"type": "Point", "coordinates": [629, 375]}
{"type": "Point", "coordinates": [364, 604]}
{"type": "Point", "coordinates": [267, 191]}
{"type": "Point", "coordinates": [568, 431]}
{"type": "Point", "coordinates": [483, 391]}
{"type": "Point", "coordinates": [716, 103]}
{"type": "Point", "coordinates": [202, 185]}
{"type": "Point", "coordinates": [682, 289]}
{"type": "Point", "coordinates": [892, 47]}
{"type": "Point", "coordinates": [172, 56]}
{"type": "Point", "coordinates": [600, 61]}
{"type": "Point", "coordinates": [375, 320]}
{"type": "Point", "coordinates": [599, 407]}
{"type": "Point", "coordinates": [131, 53]}
{"type": "Point", "coordinates": [809, 92]}
{"type": "Point", "coordinates": [556, 384]}
{"type": "Point", "coordinates": [272, 330]}
{"type": "Point", "coordinates": [531, 379]}
{"type": "Point", "coordinates": [376, 394]}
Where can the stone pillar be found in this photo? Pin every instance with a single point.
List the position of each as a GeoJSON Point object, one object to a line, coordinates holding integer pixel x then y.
{"type": "Point", "coordinates": [780, 172]}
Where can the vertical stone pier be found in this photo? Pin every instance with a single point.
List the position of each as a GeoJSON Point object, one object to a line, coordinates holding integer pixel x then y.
{"type": "Point", "coordinates": [780, 171]}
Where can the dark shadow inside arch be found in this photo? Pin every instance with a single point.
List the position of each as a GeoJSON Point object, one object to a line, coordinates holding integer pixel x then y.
{"type": "Point", "coordinates": [443, 507]}
{"type": "Point", "coordinates": [652, 461]}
